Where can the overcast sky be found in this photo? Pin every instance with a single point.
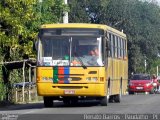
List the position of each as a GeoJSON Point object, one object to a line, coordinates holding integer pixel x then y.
{"type": "Point", "coordinates": [153, 0]}
{"type": "Point", "coordinates": [158, 1]}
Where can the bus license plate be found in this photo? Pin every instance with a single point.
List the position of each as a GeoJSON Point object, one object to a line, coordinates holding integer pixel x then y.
{"type": "Point", "coordinates": [69, 92]}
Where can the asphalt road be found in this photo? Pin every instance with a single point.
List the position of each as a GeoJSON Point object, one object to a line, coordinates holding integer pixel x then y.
{"type": "Point", "coordinates": [130, 104]}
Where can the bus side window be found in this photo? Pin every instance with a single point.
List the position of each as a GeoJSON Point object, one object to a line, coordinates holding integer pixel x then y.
{"type": "Point", "coordinates": [118, 47]}
{"type": "Point", "coordinates": [122, 47]}
{"type": "Point", "coordinates": [107, 45]}
{"type": "Point", "coordinates": [112, 46]}
{"type": "Point", "coordinates": [115, 45]}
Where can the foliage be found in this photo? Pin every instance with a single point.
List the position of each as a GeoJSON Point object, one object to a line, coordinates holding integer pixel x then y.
{"type": "Point", "coordinates": [15, 37]}
{"type": "Point", "coordinates": [88, 11]}
{"type": "Point", "coordinates": [48, 11]}
{"type": "Point", "coordinates": [19, 24]}
{"type": "Point", "coordinates": [77, 11]}
{"type": "Point", "coordinates": [20, 20]}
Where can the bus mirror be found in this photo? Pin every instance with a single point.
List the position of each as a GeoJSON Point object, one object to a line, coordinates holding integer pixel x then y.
{"type": "Point", "coordinates": [35, 46]}
{"type": "Point", "coordinates": [108, 46]}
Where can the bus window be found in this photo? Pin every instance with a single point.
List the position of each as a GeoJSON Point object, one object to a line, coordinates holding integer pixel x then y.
{"type": "Point", "coordinates": [122, 48]}
{"type": "Point", "coordinates": [55, 51]}
{"type": "Point", "coordinates": [111, 44]}
{"type": "Point", "coordinates": [86, 51]}
{"type": "Point", "coordinates": [118, 48]}
{"type": "Point", "coordinates": [113, 47]}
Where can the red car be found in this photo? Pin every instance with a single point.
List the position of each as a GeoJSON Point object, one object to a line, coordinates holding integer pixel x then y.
{"type": "Point", "coordinates": [141, 83]}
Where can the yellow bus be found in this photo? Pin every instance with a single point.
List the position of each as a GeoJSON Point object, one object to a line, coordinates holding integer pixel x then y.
{"type": "Point", "coordinates": [81, 61]}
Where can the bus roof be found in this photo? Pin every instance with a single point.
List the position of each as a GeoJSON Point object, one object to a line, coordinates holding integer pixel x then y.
{"type": "Point", "coordinates": [83, 25]}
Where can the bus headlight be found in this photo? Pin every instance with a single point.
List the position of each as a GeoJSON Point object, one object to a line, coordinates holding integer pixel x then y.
{"type": "Point", "coordinates": [94, 78]}
{"type": "Point", "coordinates": [47, 78]}
{"type": "Point", "coordinates": [44, 78]}
{"type": "Point", "coordinates": [88, 78]}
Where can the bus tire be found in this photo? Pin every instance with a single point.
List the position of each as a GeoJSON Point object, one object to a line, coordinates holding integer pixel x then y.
{"type": "Point", "coordinates": [117, 98]}
{"type": "Point", "coordinates": [104, 101]}
{"type": "Point", "coordinates": [48, 101]}
{"type": "Point", "coordinates": [111, 99]}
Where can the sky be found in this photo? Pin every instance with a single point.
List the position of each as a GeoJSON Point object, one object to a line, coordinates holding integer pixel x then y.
{"type": "Point", "coordinates": [158, 1]}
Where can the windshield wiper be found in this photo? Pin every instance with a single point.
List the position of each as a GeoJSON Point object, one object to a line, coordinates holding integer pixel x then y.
{"type": "Point", "coordinates": [80, 60]}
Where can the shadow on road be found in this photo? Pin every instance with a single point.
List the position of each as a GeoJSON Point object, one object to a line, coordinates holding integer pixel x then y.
{"type": "Point", "coordinates": [57, 104]}
{"type": "Point", "coordinates": [85, 103]}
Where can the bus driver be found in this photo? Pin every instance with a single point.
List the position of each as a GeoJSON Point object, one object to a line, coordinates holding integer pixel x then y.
{"type": "Point", "coordinates": [94, 53]}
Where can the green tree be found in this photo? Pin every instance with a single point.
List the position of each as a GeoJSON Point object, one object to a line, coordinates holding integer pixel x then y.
{"type": "Point", "coordinates": [77, 13]}
{"type": "Point", "coordinates": [16, 39]}
{"type": "Point", "coordinates": [88, 11]}
{"type": "Point", "coordinates": [19, 24]}
{"type": "Point", "coordinates": [20, 20]}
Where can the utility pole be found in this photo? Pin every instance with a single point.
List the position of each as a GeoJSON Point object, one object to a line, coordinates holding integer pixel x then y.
{"type": "Point", "coordinates": [145, 65]}
{"type": "Point", "coordinates": [65, 17]}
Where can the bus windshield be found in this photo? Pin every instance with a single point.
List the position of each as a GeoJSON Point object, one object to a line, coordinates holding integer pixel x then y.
{"type": "Point", "coordinates": [70, 51]}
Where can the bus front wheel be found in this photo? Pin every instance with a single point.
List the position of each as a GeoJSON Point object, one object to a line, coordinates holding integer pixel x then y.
{"type": "Point", "coordinates": [48, 101]}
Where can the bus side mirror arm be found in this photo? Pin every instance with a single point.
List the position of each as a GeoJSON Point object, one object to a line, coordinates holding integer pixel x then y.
{"type": "Point", "coordinates": [35, 46]}
{"type": "Point", "coordinates": [108, 46]}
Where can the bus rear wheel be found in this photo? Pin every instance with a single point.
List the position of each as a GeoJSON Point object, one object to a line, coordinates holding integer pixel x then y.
{"type": "Point", "coordinates": [48, 101]}
{"type": "Point", "coordinates": [104, 101]}
{"type": "Point", "coordinates": [117, 98]}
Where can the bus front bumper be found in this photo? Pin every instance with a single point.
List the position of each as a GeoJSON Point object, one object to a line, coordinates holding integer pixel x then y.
{"type": "Point", "coordinates": [48, 89]}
